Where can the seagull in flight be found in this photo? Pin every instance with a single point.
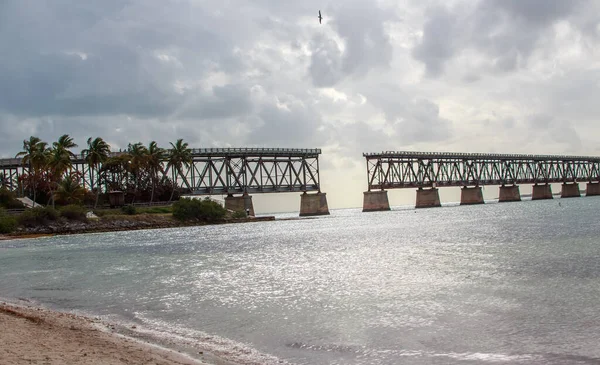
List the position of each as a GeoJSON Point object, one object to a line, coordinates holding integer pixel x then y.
{"type": "Point", "coordinates": [320, 17]}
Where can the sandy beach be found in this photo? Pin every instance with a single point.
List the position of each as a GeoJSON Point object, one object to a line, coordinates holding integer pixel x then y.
{"type": "Point", "coordinates": [31, 335]}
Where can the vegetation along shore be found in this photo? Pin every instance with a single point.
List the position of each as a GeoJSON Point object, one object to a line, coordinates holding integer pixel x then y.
{"type": "Point", "coordinates": [120, 191]}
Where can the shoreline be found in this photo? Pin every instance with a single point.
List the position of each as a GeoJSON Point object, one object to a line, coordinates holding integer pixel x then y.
{"type": "Point", "coordinates": [118, 225]}
{"type": "Point", "coordinates": [33, 334]}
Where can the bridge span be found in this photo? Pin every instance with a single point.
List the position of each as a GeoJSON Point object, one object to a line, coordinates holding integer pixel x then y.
{"type": "Point", "coordinates": [235, 172]}
{"type": "Point", "coordinates": [427, 171]}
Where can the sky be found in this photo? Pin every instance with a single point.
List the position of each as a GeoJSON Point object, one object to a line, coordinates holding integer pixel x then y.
{"type": "Point", "coordinates": [502, 76]}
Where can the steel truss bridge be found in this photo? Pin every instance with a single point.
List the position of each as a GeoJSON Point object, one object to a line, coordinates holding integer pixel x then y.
{"type": "Point", "coordinates": [214, 171]}
{"type": "Point", "coordinates": [396, 170]}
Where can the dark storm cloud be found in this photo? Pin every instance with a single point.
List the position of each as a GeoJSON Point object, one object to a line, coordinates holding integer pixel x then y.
{"type": "Point", "coordinates": [75, 59]}
{"type": "Point", "coordinates": [506, 32]}
{"type": "Point", "coordinates": [222, 102]}
{"type": "Point", "coordinates": [439, 41]}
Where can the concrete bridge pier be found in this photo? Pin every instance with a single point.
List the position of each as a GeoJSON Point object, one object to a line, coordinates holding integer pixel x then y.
{"type": "Point", "coordinates": [570, 191]}
{"type": "Point", "coordinates": [593, 188]}
{"type": "Point", "coordinates": [509, 194]}
{"type": "Point", "coordinates": [541, 192]}
{"type": "Point", "coordinates": [470, 196]}
{"type": "Point", "coordinates": [428, 198]}
{"type": "Point", "coordinates": [240, 203]}
{"type": "Point", "coordinates": [374, 201]}
{"type": "Point", "coordinates": [313, 204]}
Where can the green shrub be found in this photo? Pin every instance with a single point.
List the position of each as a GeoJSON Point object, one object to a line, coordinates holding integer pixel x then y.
{"type": "Point", "coordinates": [8, 224]}
{"type": "Point", "coordinates": [155, 210]}
{"type": "Point", "coordinates": [239, 214]}
{"type": "Point", "coordinates": [8, 200]}
{"type": "Point", "coordinates": [203, 210]}
{"type": "Point", "coordinates": [74, 213]}
{"type": "Point", "coordinates": [186, 209]}
{"type": "Point", "coordinates": [37, 216]}
{"type": "Point", "coordinates": [104, 212]}
{"type": "Point", "coordinates": [129, 209]}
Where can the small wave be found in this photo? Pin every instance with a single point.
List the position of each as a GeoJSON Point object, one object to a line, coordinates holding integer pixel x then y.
{"type": "Point", "coordinates": [375, 354]}
{"type": "Point", "coordinates": [487, 357]}
{"type": "Point", "coordinates": [194, 342]}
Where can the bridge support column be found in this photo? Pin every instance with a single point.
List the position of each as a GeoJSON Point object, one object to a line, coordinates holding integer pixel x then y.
{"type": "Point", "coordinates": [375, 201]}
{"type": "Point", "coordinates": [313, 204]}
{"type": "Point", "coordinates": [509, 194]}
{"type": "Point", "coordinates": [570, 191]}
{"type": "Point", "coordinates": [240, 203]}
{"type": "Point", "coordinates": [428, 198]}
{"type": "Point", "coordinates": [541, 192]}
{"type": "Point", "coordinates": [469, 196]}
{"type": "Point", "coordinates": [592, 189]}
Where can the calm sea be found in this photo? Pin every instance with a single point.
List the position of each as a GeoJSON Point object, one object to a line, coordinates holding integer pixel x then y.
{"type": "Point", "coordinates": [500, 283]}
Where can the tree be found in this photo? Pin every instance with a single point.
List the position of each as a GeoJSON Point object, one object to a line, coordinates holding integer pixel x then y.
{"type": "Point", "coordinates": [138, 153]}
{"type": "Point", "coordinates": [34, 156]}
{"type": "Point", "coordinates": [154, 159]}
{"type": "Point", "coordinates": [178, 156]}
{"type": "Point", "coordinates": [64, 144]}
{"type": "Point", "coordinates": [69, 190]}
{"type": "Point", "coordinates": [115, 171]}
{"type": "Point", "coordinates": [59, 161]}
{"type": "Point", "coordinates": [96, 154]}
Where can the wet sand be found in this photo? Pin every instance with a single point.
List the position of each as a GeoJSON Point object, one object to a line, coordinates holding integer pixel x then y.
{"type": "Point", "coordinates": [31, 335]}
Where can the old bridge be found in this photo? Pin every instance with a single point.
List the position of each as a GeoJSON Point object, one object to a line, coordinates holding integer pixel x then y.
{"type": "Point", "coordinates": [427, 171]}
{"type": "Point", "coordinates": [235, 172]}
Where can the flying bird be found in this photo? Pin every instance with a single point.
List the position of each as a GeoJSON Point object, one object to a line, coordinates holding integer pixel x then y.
{"type": "Point", "coordinates": [320, 17]}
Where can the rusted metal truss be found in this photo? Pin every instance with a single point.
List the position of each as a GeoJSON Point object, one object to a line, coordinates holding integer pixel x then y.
{"type": "Point", "coordinates": [229, 171]}
{"type": "Point", "coordinates": [396, 170]}
{"type": "Point", "coordinates": [213, 171]}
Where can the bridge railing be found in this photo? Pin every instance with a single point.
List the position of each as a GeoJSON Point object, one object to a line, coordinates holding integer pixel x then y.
{"type": "Point", "coordinates": [482, 156]}
{"type": "Point", "coordinates": [80, 158]}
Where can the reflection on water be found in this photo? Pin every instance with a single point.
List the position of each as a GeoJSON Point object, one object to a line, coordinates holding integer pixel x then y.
{"type": "Point", "coordinates": [500, 283]}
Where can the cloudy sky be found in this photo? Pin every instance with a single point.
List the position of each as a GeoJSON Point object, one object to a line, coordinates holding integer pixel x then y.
{"type": "Point", "coordinates": [514, 76]}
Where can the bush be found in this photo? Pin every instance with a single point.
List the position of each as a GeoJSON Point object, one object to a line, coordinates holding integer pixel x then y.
{"type": "Point", "coordinates": [203, 210]}
{"type": "Point", "coordinates": [74, 213]}
{"type": "Point", "coordinates": [8, 224]}
{"type": "Point", "coordinates": [239, 214]}
{"type": "Point", "coordinates": [37, 216]}
{"type": "Point", "coordinates": [155, 210]}
{"type": "Point", "coordinates": [129, 209]}
{"type": "Point", "coordinates": [8, 200]}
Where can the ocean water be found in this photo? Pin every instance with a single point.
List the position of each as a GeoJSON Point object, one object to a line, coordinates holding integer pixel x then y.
{"type": "Point", "coordinates": [500, 283]}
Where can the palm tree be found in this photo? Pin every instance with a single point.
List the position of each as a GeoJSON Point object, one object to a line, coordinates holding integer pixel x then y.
{"type": "Point", "coordinates": [178, 156]}
{"type": "Point", "coordinates": [154, 159]}
{"type": "Point", "coordinates": [96, 154]}
{"type": "Point", "coordinates": [34, 156]}
{"type": "Point", "coordinates": [64, 143]}
{"type": "Point", "coordinates": [70, 191]}
{"type": "Point", "coordinates": [115, 171]}
{"type": "Point", "coordinates": [138, 153]}
{"type": "Point", "coordinates": [59, 161]}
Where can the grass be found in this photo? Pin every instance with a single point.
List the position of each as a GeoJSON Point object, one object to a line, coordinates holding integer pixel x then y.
{"type": "Point", "coordinates": [139, 210]}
